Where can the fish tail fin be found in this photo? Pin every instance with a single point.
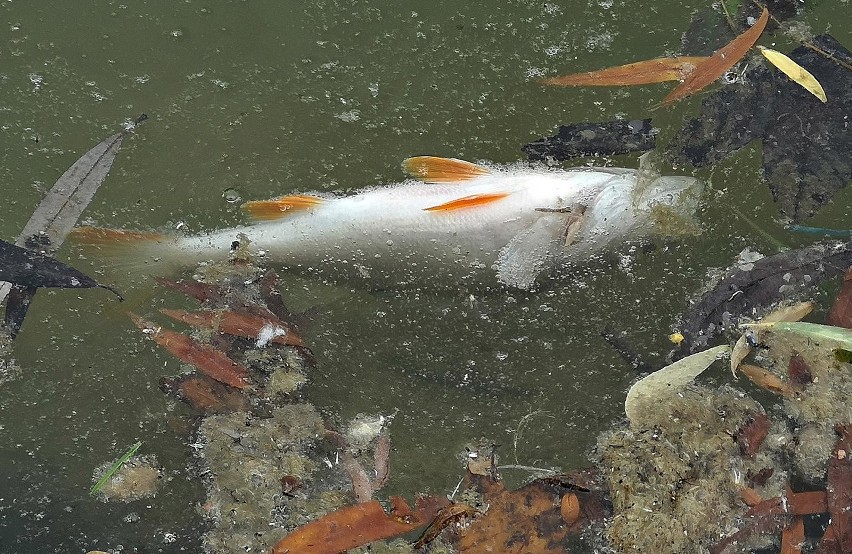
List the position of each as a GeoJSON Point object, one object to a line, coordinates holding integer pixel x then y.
{"type": "Point", "coordinates": [135, 251]}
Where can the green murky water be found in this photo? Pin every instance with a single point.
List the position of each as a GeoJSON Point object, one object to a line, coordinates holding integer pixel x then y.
{"type": "Point", "coordinates": [272, 97]}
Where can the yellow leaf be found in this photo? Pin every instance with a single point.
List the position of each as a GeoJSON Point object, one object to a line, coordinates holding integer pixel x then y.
{"type": "Point", "coordinates": [794, 71]}
{"type": "Point", "coordinates": [677, 338]}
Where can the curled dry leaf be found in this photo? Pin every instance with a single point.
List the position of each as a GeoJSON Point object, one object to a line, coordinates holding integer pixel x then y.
{"type": "Point", "coordinates": [721, 61]}
{"type": "Point", "coordinates": [648, 391]}
{"type": "Point", "coordinates": [795, 72]}
{"type": "Point", "coordinates": [208, 360]}
{"type": "Point", "coordinates": [742, 348]}
{"type": "Point", "coordinates": [639, 73]}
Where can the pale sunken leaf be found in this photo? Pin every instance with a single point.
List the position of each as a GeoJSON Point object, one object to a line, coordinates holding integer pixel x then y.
{"type": "Point", "coordinates": [794, 71]}
{"type": "Point", "coordinates": [741, 350]}
{"type": "Point", "coordinates": [647, 392]}
{"type": "Point", "coordinates": [58, 212]}
{"type": "Point", "coordinates": [796, 312]}
{"type": "Point", "coordinates": [786, 313]}
{"type": "Point", "coordinates": [839, 335]}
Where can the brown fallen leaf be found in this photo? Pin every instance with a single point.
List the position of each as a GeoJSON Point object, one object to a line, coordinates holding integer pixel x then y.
{"type": "Point", "coordinates": [239, 324]}
{"type": "Point", "coordinates": [206, 395]}
{"type": "Point", "coordinates": [838, 534]}
{"type": "Point", "coordinates": [750, 496]}
{"type": "Point", "coordinates": [721, 61]}
{"type": "Point", "coordinates": [767, 380]}
{"type": "Point", "coordinates": [570, 508]}
{"type": "Point", "coordinates": [793, 536]}
{"type": "Point", "coordinates": [752, 433]}
{"type": "Point", "coordinates": [793, 503]}
{"type": "Point", "coordinates": [638, 73]}
{"type": "Point", "coordinates": [742, 348]}
{"type": "Point", "coordinates": [200, 291]}
{"type": "Point", "coordinates": [446, 516]}
{"type": "Point", "coordinates": [799, 371]}
{"type": "Point", "coordinates": [207, 359]}
{"type": "Point", "coordinates": [358, 525]}
{"type": "Point", "coordinates": [840, 314]}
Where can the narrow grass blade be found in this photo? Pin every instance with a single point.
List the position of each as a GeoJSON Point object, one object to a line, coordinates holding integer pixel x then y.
{"type": "Point", "coordinates": [114, 468]}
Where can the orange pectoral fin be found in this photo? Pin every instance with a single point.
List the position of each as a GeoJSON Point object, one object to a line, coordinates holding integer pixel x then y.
{"type": "Point", "coordinates": [431, 169]}
{"type": "Point", "coordinates": [267, 210]}
{"type": "Point", "coordinates": [471, 201]}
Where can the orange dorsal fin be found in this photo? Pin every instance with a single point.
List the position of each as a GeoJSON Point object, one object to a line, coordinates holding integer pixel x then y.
{"type": "Point", "coordinates": [471, 201]}
{"type": "Point", "coordinates": [432, 169]}
{"type": "Point", "coordinates": [266, 210]}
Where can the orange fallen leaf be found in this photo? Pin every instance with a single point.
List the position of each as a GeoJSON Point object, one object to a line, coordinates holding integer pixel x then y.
{"type": "Point", "coordinates": [767, 380]}
{"type": "Point", "coordinates": [570, 508]}
{"type": "Point", "coordinates": [532, 512]}
{"type": "Point", "coordinates": [206, 395]}
{"type": "Point", "coordinates": [793, 536]}
{"type": "Point", "coordinates": [721, 61]}
{"type": "Point", "coordinates": [638, 73]}
{"type": "Point", "coordinates": [238, 324]}
{"type": "Point", "coordinates": [358, 525]}
{"type": "Point", "coordinates": [750, 496]}
{"type": "Point", "coordinates": [207, 359]}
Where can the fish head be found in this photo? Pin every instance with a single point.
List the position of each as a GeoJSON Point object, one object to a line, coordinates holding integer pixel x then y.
{"type": "Point", "coordinates": [633, 207]}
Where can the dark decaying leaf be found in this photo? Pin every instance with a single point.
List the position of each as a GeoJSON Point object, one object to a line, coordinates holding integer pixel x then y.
{"type": "Point", "coordinates": [59, 211]}
{"type": "Point", "coordinates": [806, 143]}
{"type": "Point", "coordinates": [28, 270]}
{"type": "Point", "coordinates": [605, 138]}
{"type": "Point", "coordinates": [746, 291]}
{"type": "Point", "coordinates": [721, 61]}
{"type": "Point", "coordinates": [17, 304]}
{"type": "Point", "coordinates": [32, 269]}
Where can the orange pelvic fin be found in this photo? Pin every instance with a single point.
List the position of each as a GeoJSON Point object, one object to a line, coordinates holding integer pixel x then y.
{"type": "Point", "coordinates": [268, 210]}
{"type": "Point", "coordinates": [431, 169]}
{"type": "Point", "coordinates": [471, 201]}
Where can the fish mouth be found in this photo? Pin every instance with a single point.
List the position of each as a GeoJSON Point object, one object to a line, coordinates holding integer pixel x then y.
{"type": "Point", "coordinates": [681, 193]}
{"type": "Point", "coordinates": [671, 203]}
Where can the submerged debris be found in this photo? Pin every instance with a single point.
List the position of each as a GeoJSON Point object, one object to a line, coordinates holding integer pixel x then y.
{"type": "Point", "coordinates": [594, 139]}
{"type": "Point", "coordinates": [139, 477]}
{"type": "Point", "coordinates": [805, 142]}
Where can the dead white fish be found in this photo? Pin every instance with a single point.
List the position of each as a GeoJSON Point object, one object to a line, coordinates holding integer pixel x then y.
{"type": "Point", "coordinates": [457, 221]}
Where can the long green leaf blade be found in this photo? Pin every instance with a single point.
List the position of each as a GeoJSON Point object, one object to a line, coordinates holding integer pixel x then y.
{"type": "Point", "coordinates": [114, 468]}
